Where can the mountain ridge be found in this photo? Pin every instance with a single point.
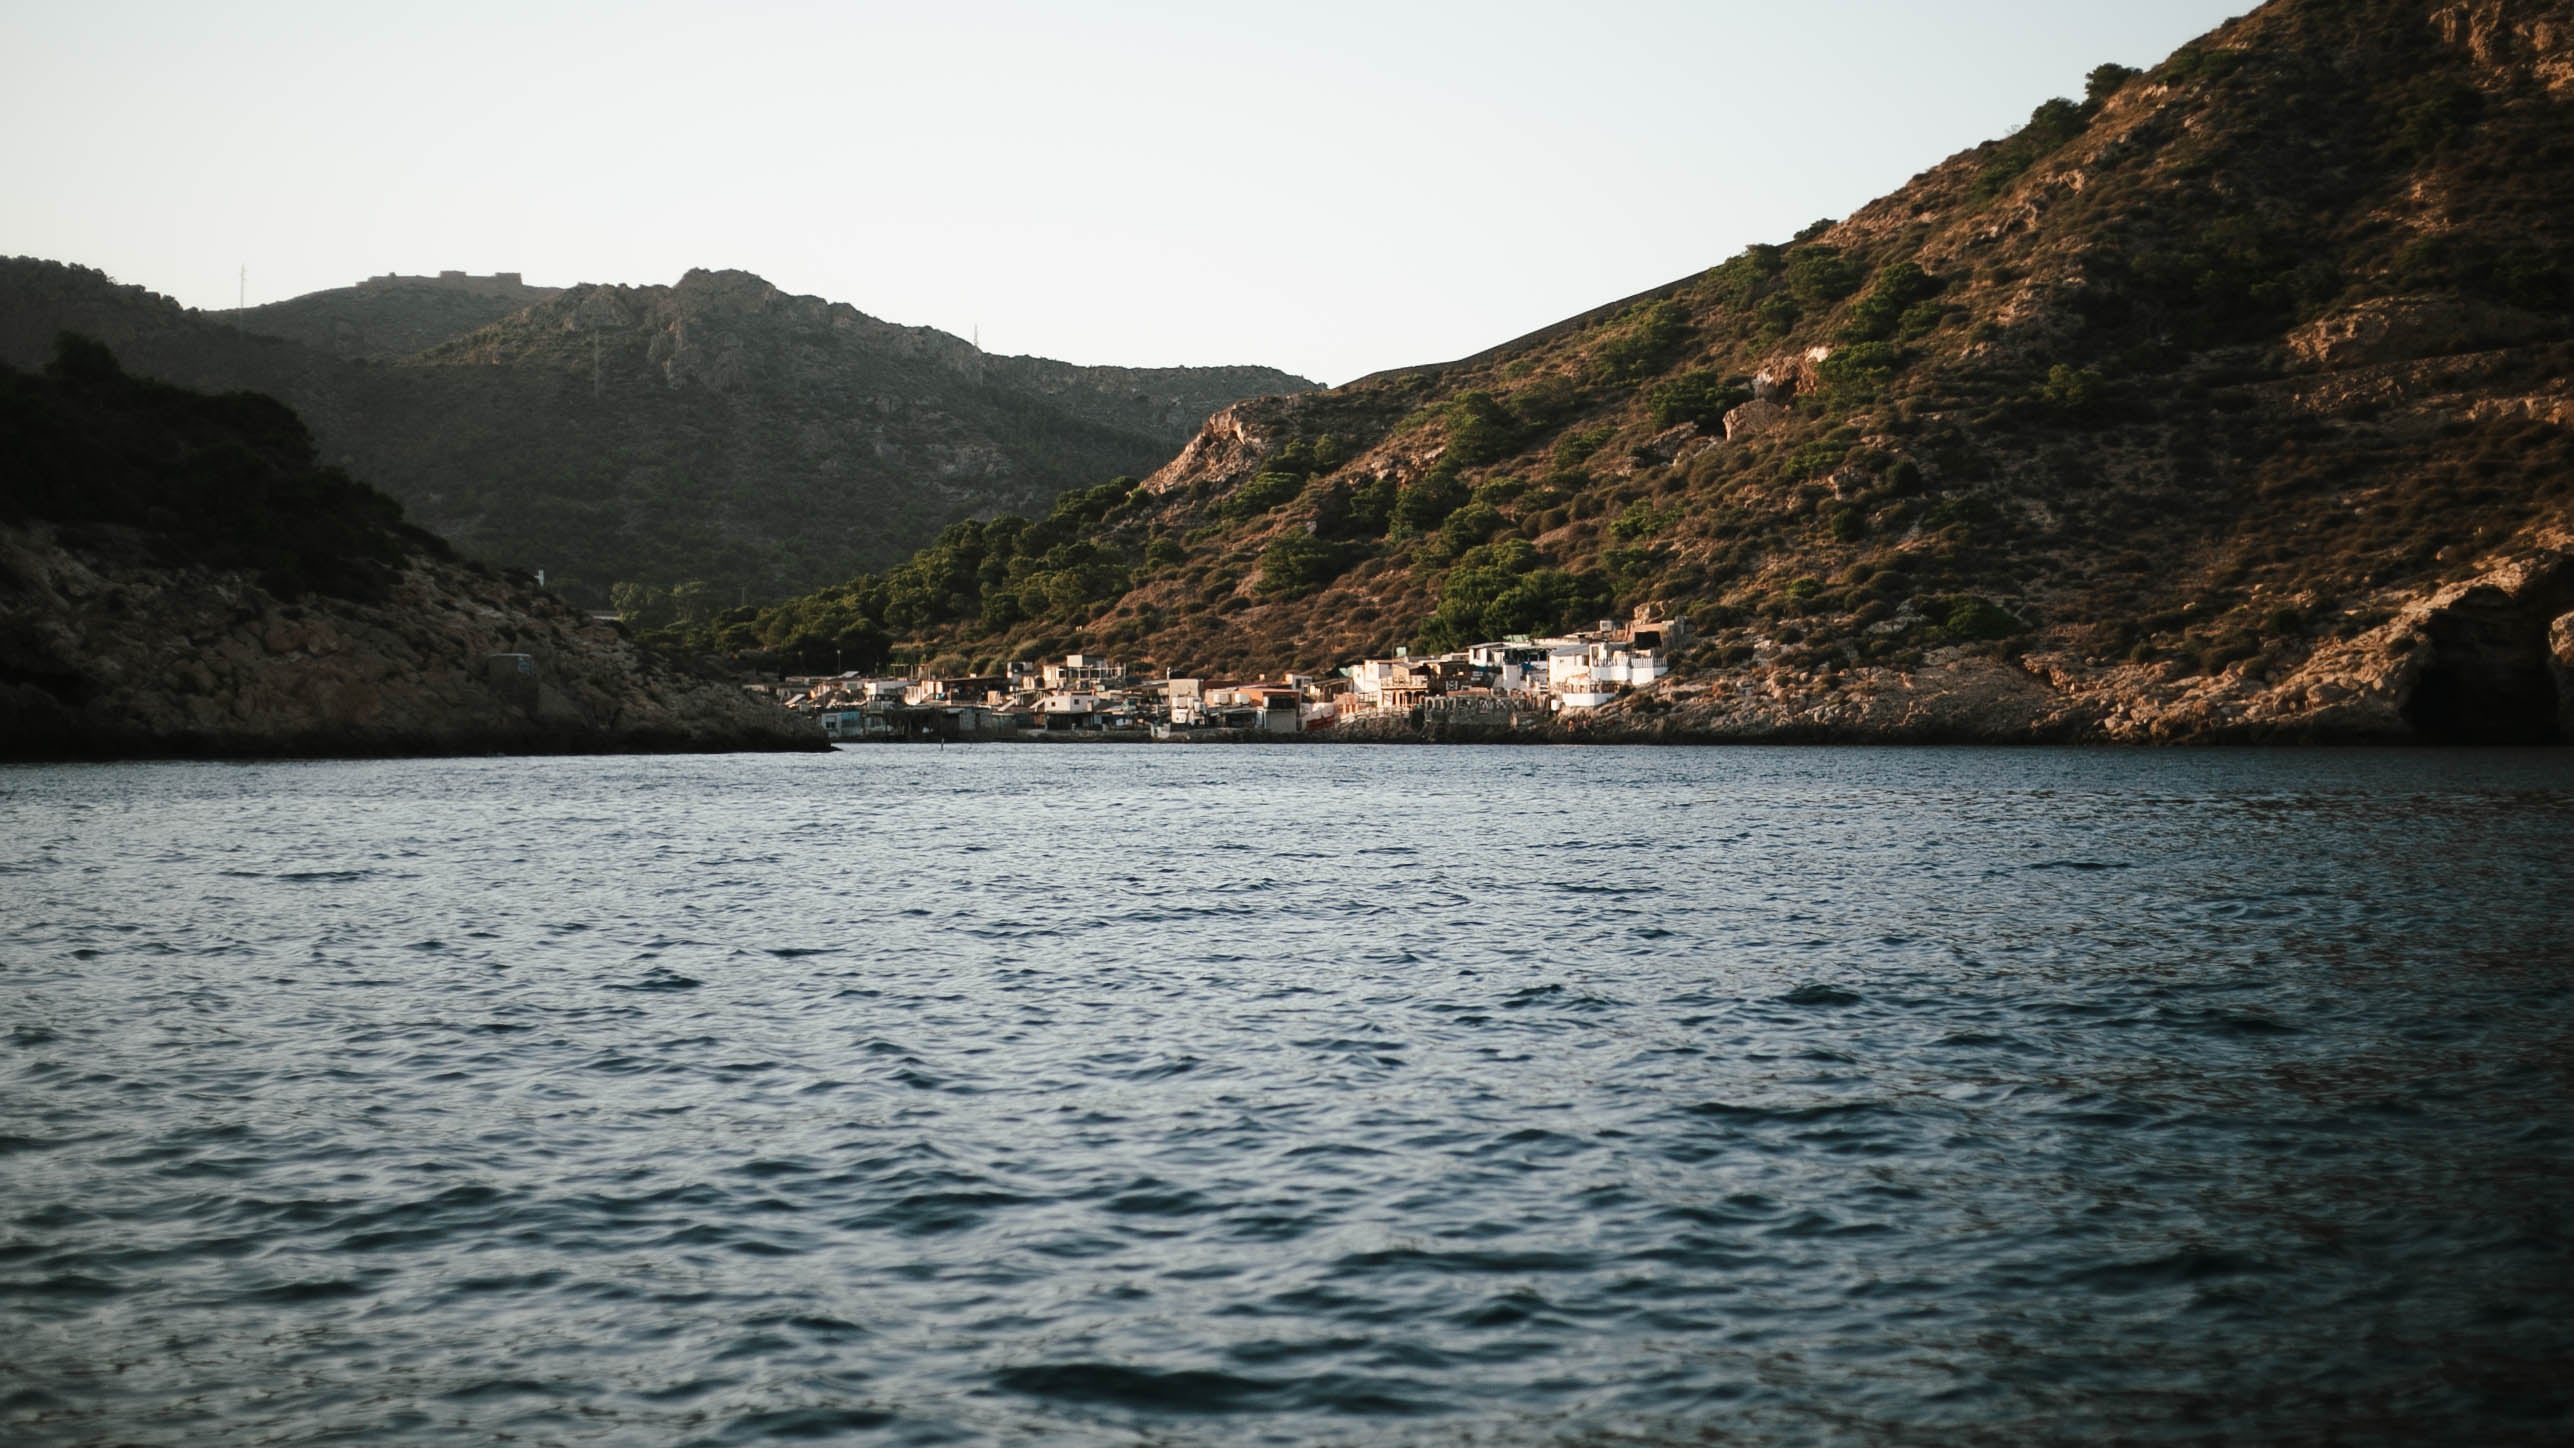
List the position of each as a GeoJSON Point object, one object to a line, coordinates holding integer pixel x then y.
{"type": "Point", "coordinates": [524, 448]}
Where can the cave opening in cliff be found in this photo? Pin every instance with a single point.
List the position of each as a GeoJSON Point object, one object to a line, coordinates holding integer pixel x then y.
{"type": "Point", "coordinates": [2489, 679]}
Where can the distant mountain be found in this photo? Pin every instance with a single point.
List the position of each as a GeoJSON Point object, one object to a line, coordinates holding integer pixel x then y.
{"type": "Point", "coordinates": [384, 319]}
{"type": "Point", "coordinates": [717, 430]}
{"type": "Point", "coordinates": [180, 574]}
{"type": "Point", "coordinates": [2231, 400]}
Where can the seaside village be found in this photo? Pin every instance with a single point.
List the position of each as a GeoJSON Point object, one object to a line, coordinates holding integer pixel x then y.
{"type": "Point", "coordinates": [1085, 694]}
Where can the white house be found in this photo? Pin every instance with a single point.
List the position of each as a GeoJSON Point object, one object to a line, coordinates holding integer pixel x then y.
{"type": "Point", "coordinates": [1582, 691]}
{"type": "Point", "coordinates": [1603, 665]}
{"type": "Point", "coordinates": [1084, 671]}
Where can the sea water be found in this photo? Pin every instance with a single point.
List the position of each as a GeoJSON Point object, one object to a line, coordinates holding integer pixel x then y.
{"type": "Point", "coordinates": [1101, 1095]}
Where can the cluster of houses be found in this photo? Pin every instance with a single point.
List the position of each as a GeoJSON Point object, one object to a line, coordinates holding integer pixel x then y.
{"type": "Point", "coordinates": [1087, 693]}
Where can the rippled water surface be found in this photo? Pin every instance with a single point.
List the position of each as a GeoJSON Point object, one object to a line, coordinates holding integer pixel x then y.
{"type": "Point", "coordinates": [1279, 1095]}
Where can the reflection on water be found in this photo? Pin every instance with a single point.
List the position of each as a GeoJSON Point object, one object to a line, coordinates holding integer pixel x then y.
{"type": "Point", "coordinates": [1486, 1096]}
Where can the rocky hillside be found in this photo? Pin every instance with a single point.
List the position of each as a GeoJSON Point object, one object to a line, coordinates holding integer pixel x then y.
{"type": "Point", "coordinates": [716, 431]}
{"type": "Point", "coordinates": [2229, 400]}
{"type": "Point", "coordinates": [180, 575]}
{"type": "Point", "coordinates": [385, 319]}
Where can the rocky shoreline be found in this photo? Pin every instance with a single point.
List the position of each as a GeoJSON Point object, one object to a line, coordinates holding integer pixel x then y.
{"type": "Point", "coordinates": [2488, 659]}
{"type": "Point", "coordinates": [106, 655]}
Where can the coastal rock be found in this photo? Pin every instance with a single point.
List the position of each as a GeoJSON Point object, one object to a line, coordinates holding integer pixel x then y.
{"type": "Point", "coordinates": [2560, 648]}
{"type": "Point", "coordinates": [2484, 660]}
{"type": "Point", "coordinates": [104, 655]}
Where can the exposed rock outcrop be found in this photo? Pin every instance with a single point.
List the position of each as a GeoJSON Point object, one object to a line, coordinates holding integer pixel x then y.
{"type": "Point", "coordinates": [2403, 329]}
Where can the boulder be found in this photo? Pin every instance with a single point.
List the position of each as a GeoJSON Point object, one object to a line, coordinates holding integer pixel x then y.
{"type": "Point", "coordinates": [1753, 418]}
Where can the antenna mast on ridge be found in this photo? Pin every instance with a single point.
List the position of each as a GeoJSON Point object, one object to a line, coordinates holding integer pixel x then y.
{"type": "Point", "coordinates": [241, 301]}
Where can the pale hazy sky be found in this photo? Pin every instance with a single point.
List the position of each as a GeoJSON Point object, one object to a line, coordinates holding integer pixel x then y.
{"type": "Point", "coordinates": [1323, 186]}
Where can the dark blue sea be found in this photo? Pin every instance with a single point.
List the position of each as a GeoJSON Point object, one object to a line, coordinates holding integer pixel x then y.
{"type": "Point", "coordinates": [1286, 1095]}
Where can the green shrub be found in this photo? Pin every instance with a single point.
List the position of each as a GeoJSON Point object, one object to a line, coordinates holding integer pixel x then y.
{"type": "Point", "coordinates": [1371, 509]}
{"type": "Point", "coordinates": [1469, 525]}
{"type": "Point", "coordinates": [1885, 309]}
{"type": "Point", "coordinates": [1503, 589]}
{"type": "Point", "coordinates": [1299, 564]}
{"type": "Point", "coordinates": [1575, 448]}
{"type": "Point", "coordinates": [1545, 403]}
{"type": "Point", "coordinates": [1424, 504]}
{"type": "Point", "coordinates": [2195, 62]}
{"type": "Point", "coordinates": [1641, 341]}
{"type": "Point", "coordinates": [2050, 126]}
{"type": "Point", "coordinates": [2106, 80]}
{"type": "Point", "coordinates": [1923, 318]}
{"type": "Point", "coordinates": [1641, 520]}
{"type": "Point", "coordinates": [2073, 391]}
{"type": "Point", "coordinates": [1820, 456]}
{"type": "Point", "coordinates": [1820, 275]}
{"type": "Point", "coordinates": [1965, 618]}
{"type": "Point", "coordinates": [1738, 281]}
{"type": "Point", "coordinates": [1265, 491]}
{"type": "Point", "coordinates": [1858, 373]}
{"type": "Point", "coordinates": [1700, 396]}
{"type": "Point", "coordinates": [1480, 429]}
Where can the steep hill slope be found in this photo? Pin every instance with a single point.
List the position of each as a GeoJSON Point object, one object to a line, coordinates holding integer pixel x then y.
{"type": "Point", "coordinates": [715, 430]}
{"type": "Point", "coordinates": [179, 574]}
{"type": "Point", "coordinates": [2195, 409]}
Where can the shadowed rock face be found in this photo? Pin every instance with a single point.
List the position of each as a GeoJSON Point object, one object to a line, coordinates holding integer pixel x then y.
{"type": "Point", "coordinates": [2489, 679]}
{"type": "Point", "coordinates": [106, 654]}
{"type": "Point", "coordinates": [180, 576]}
{"type": "Point", "coordinates": [2492, 673]}
{"type": "Point", "coordinates": [2560, 648]}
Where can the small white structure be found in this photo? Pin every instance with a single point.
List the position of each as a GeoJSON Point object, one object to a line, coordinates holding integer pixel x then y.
{"type": "Point", "coordinates": [1084, 671]}
{"type": "Point", "coordinates": [1602, 667]}
{"type": "Point", "coordinates": [1368, 679]}
{"type": "Point", "coordinates": [1582, 691]}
